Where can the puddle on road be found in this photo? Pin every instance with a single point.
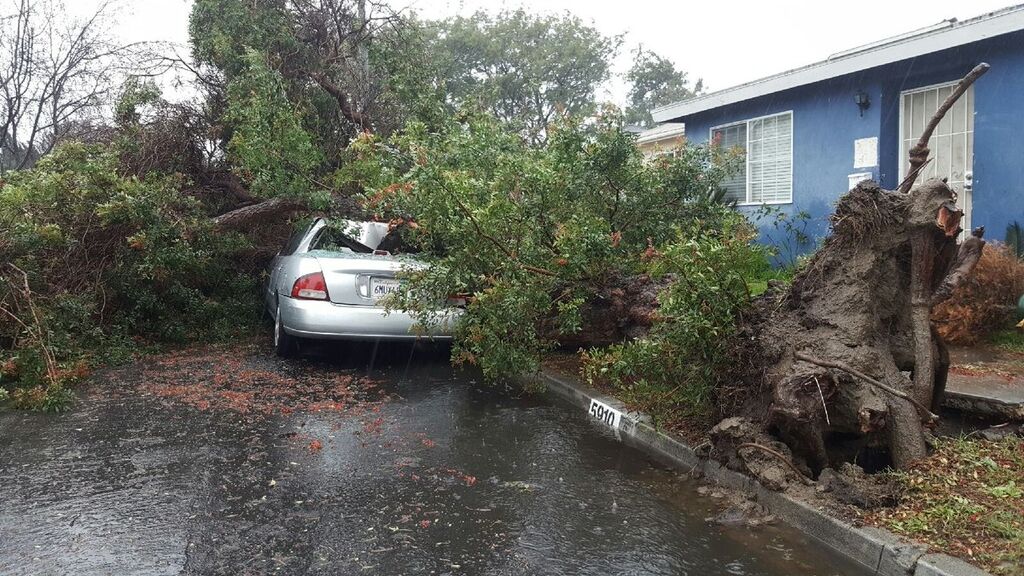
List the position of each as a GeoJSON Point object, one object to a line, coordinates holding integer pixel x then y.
{"type": "Point", "coordinates": [445, 478]}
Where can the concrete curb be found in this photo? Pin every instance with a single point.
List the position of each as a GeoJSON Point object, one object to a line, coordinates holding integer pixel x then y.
{"type": "Point", "coordinates": [879, 551]}
{"type": "Point", "coordinates": [979, 404]}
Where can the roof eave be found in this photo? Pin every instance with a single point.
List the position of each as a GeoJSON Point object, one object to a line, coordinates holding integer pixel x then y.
{"type": "Point", "coordinates": [663, 132]}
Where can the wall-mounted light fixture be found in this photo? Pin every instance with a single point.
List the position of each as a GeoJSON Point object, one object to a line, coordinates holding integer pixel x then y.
{"type": "Point", "coordinates": [863, 101]}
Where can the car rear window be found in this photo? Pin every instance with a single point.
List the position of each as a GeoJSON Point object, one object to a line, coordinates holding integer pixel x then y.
{"type": "Point", "coordinates": [296, 239]}
{"type": "Point", "coordinates": [334, 239]}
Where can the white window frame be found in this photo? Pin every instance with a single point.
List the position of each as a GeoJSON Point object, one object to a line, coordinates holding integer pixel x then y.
{"type": "Point", "coordinates": [746, 155]}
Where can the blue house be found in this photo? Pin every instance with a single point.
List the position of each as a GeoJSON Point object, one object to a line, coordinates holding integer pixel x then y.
{"type": "Point", "coordinates": [812, 133]}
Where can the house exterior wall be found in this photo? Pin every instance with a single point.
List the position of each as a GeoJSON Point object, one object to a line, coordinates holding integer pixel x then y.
{"type": "Point", "coordinates": [998, 195]}
{"type": "Point", "coordinates": [827, 121]}
{"type": "Point", "coordinates": [655, 148]}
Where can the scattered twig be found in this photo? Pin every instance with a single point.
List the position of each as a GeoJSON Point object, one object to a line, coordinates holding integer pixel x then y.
{"type": "Point", "coordinates": [912, 176]}
{"type": "Point", "coordinates": [850, 370]}
{"type": "Point", "coordinates": [822, 396]}
{"type": "Point", "coordinates": [807, 481]}
{"type": "Point", "coordinates": [36, 332]}
{"type": "Point", "coordinates": [696, 450]}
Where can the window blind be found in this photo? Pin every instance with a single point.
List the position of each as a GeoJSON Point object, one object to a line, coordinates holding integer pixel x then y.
{"type": "Point", "coordinates": [767, 176]}
{"type": "Point", "coordinates": [730, 138]}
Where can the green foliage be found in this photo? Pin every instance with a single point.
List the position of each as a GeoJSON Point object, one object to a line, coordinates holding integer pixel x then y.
{"type": "Point", "coordinates": [654, 81]}
{"type": "Point", "coordinates": [403, 57]}
{"type": "Point", "coordinates": [1010, 339]}
{"type": "Point", "coordinates": [531, 232]}
{"type": "Point", "coordinates": [673, 372]}
{"type": "Point", "coordinates": [94, 260]}
{"type": "Point", "coordinates": [223, 31]}
{"type": "Point", "coordinates": [965, 499]}
{"type": "Point", "coordinates": [269, 149]}
{"type": "Point", "coordinates": [289, 84]}
{"type": "Point", "coordinates": [524, 69]}
{"type": "Point", "coordinates": [790, 237]}
{"type": "Point", "coordinates": [55, 397]}
{"type": "Point", "coordinates": [135, 95]}
{"type": "Point", "coordinates": [1015, 239]}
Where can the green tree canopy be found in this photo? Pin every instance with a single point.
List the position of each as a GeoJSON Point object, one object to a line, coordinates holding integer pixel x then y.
{"type": "Point", "coordinates": [532, 232]}
{"type": "Point", "coordinates": [654, 81]}
{"type": "Point", "coordinates": [270, 149]}
{"type": "Point", "coordinates": [523, 68]}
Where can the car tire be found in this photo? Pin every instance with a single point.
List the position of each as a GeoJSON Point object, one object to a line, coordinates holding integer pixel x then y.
{"type": "Point", "coordinates": [285, 345]}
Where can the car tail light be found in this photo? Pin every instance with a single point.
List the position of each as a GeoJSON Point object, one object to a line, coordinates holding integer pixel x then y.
{"type": "Point", "coordinates": [310, 287]}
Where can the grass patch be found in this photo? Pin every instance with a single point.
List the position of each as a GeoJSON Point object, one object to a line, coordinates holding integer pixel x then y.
{"type": "Point", "coordinates": [1009, 339]}
{"type": "Point", "coordinates": [967, 499]}
{"type": "Point", "coordinates": [757, 279]}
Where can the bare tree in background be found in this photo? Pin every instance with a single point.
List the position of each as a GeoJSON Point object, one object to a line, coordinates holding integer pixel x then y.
{"type": "Point", "coordinates": [339, 34]}
{"type": "Point", "coordinates": [57, 74]}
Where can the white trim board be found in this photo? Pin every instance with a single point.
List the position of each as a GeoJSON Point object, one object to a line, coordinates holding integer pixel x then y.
{"type": "Point", "coordinates": [957, 34]}
{"type": "Point", "coordinates": [662, 132]}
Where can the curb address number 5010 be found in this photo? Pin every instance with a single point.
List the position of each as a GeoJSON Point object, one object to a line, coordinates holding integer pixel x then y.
{"type": "Point", "coordinates": [605, 413]}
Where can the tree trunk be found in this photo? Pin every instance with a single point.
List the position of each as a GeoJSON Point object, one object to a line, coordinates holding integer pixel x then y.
{"type": "Point", "coordinates": [250, 216]}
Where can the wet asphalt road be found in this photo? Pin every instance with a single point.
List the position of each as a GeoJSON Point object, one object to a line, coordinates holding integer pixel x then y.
{"type": "Point", "coordinates": [173, 467]}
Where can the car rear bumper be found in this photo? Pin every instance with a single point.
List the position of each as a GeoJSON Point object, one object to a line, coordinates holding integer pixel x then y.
{"type": "Point", "coordinates": [326, 320]}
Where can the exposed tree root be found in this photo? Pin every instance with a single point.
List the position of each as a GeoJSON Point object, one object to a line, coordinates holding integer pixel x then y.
{"type": "Point", "coordinates": [840, 366]}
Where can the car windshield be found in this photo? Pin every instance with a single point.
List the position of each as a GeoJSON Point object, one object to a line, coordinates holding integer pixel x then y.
{"type": "Point", "coordinates": [334, 238]}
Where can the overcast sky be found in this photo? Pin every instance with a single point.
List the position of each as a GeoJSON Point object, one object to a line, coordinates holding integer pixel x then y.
{"type": "Point", "coordinates": [725, 42]}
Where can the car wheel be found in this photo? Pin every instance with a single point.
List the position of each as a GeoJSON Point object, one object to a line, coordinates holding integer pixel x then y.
{"type": "Point", "coordinates": [284, 343]}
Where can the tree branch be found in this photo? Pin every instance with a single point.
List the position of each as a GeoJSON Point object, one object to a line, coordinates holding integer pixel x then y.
{"type": "Point", "coordinates": [966, 258]}
{"type": "Point", "coordinates": [479, 230]}
{"type": "Point", "coordinates": [358, 118]}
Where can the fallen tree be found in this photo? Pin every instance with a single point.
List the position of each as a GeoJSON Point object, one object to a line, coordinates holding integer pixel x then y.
{"type": "Point", "coordinates": [584, 244]}
{"type": "Point", "coordinates": [844, 362]}
{"type": "Point", "coordinates": [558, 244]}
{"type": "Point", "coordinates": [256, 214]}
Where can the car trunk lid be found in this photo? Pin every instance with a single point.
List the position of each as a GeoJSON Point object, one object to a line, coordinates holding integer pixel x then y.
{"type": "Point", "coordinates": [360, 279]}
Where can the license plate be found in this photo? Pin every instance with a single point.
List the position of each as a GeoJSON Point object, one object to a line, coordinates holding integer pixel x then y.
{"type": "Point", "coordinates": [380, 287]}
{"type": "Point", "coordinates": [605, 413]}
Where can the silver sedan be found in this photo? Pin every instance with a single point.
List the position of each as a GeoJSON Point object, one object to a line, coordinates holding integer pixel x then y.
{"type": "Point", "coordinates": [328, 281]}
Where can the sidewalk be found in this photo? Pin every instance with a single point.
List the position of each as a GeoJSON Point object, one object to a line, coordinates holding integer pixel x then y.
{"type": "Point", "coordinates": [987, 380]}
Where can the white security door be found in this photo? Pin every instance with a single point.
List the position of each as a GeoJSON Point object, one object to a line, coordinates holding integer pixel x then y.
{"type": "Point", "coordinates": [952, 143]}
